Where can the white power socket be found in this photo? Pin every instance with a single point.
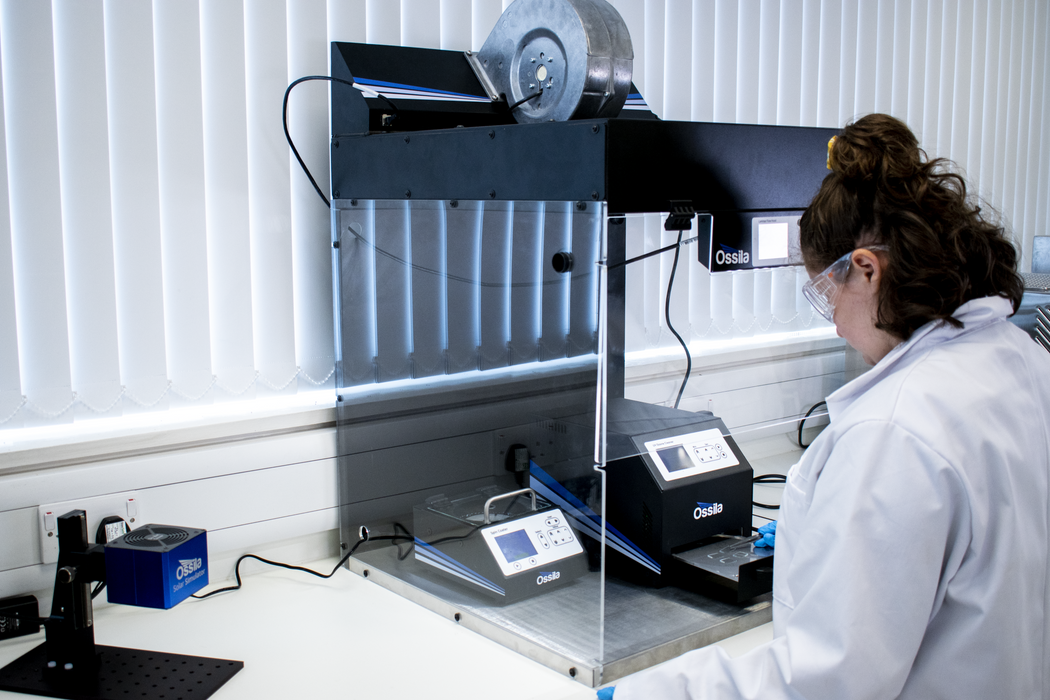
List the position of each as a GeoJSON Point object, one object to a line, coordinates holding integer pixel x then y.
{"type": "Point", "coordinates": [126, 505]}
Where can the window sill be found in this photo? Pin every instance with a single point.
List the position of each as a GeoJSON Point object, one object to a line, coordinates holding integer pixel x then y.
{"type": "Point", "coordinates": [710, 355]}
{"type": "Point", "coordinates": [31, 449]}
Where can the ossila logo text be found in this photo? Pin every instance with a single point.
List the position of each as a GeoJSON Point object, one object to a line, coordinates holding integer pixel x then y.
{"type": "Point", "coordinates": [547, 577]}
{"type": "Point", "coordinates": [187, 567]}
{"type": "Point", "coordinates": [735, 257]}
{"type": "Point", "coordinates": [705, 509]}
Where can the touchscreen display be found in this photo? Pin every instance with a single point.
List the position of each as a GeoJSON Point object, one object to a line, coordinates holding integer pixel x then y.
{"type": "Point", "coordinates": [516, 545]}
{"type": "Point", "coordinates": [683, 456]}
{"type": "Point", "coordinates": [773, 240]}
{"type": "Point", "coordinates": [675, 458]}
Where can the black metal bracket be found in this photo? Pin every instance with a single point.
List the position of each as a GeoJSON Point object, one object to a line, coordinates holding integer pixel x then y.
{"type": "Point", "coordinates": [681, 217]}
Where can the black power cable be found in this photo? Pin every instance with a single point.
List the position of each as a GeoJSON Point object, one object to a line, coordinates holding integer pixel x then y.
{"type": "Point", "coordinates": [398, 539]}
{"type": "Point", "coordinates": [288, 136]}
{"type": "Point", "coordinates": [523, 100]}
{"type": "Point", "coordinates": [667, 318]}
{"type": "Point", "coordinates": [457, 278]}
{"type": "Point", "coordinates": [802, 423]}
{"type": "Point", "coordinates": [651, 253]}
{"type": "Point", "coordinates": [292, 567]}
{"type": "Point", "coordinates": [768, 479]}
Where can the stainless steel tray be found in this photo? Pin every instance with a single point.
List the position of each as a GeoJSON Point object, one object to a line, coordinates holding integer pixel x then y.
{"type": "Point", "coordinates": [561, 629]}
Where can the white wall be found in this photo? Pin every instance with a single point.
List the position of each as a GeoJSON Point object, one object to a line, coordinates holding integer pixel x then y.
{"type": "Point", "coordinates": [757, 390]}
{"type": "Point", "coordinates": [274, 496]}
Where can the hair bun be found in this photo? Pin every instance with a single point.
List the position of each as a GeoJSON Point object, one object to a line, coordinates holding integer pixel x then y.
{"type": "Point", "coordinates": [875, 148]}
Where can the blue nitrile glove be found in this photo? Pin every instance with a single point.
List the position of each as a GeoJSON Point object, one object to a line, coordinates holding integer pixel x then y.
{"type": "Point", "coordinates": [606, 693]}
{"type": "Point", "coordinates": [769, 535]}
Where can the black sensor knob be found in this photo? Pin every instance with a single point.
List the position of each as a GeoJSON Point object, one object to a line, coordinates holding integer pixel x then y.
{"type": "Point", "coordinates": [562, 262]}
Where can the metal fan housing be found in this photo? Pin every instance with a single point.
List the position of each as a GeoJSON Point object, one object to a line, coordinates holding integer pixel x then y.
{"type": "Point", "coordinates": [555, 60]}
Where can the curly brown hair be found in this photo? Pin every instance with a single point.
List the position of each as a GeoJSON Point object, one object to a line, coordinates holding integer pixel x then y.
{"type": "Point", "coordinates": [942, 251]}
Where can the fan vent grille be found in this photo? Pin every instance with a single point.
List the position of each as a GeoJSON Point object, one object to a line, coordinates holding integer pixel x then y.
{"type": "Point", "coordinates": [156, 536]}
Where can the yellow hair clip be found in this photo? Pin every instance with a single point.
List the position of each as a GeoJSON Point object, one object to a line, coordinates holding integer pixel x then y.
{"type": "Point", "coordinates": [831, 144]}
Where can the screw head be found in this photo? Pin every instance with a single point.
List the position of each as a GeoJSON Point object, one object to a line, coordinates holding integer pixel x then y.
{"type": "Point", "coordinates": [492, 133]}
{"type": "Point", "coordinates": [407, 139]}
{"type": "Point", "coordinates": [408, 193]}
{"type": "Point", "coordinates": [594, 195]}
{"type": "Point", "coordinates": [454, 203]}
{"type": "Point", "coordinates": [335, 195]}
{"type": "Point", "coordinates": [335, 144]}
{"type": "Point", "coordinates": [492, 194]}
{"type": "Point", "coordinates": [595, 128]}
{"type": "Point", "coordinates": [353, 202]}
{"type": "Point", "coordinates": [581, 206]}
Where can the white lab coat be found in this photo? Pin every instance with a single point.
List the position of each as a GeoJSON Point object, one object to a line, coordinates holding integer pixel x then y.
{"type": "Point", "coordinates": [912, 549]}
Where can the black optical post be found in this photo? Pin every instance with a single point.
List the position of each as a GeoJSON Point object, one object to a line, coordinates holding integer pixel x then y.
{"type": "Point", "coordinates": [70, 646]}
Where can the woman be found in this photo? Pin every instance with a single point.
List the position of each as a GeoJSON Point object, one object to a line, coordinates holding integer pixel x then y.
{"type": "Point", "coordinates": [912, 550]}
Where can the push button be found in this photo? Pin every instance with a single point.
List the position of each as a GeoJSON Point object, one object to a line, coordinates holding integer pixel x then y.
{"type": "Point", "coordinates": [562, 535]}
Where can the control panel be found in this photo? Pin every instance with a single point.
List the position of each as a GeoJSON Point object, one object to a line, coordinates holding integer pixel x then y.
{"type": "Point", "coordinates": [535, 541]}
{"type": "Point", "coordinates": [694, 453]}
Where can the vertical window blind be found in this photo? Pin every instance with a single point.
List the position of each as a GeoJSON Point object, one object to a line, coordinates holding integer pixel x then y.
{"type": "Point", "coordinates": [158, 248]}
{"type": "Point", "coordinates": [968, 76]}
{"type": "Point", "coordinates": [440, 288]}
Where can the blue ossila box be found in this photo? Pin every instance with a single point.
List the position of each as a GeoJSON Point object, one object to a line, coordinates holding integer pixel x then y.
{"type": "Point", "coordinates": [156, 566]}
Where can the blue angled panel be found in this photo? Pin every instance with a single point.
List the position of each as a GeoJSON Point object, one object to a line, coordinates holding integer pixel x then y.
{"type": "Point", "coordinates": [584, 519]}
{"type": "Point", "coordinates": [438, 559]}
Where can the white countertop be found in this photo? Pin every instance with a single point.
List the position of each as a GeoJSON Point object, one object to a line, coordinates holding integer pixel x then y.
{"type": "Point", "coordinates": [305, 637]}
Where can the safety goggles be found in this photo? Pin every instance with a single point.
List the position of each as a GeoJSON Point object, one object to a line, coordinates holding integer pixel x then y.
{"type": "Point", "coordinates": [823, 290]}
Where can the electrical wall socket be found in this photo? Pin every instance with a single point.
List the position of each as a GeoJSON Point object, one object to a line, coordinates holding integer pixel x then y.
{"type": "Point", "coordinates": [126, 505]}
